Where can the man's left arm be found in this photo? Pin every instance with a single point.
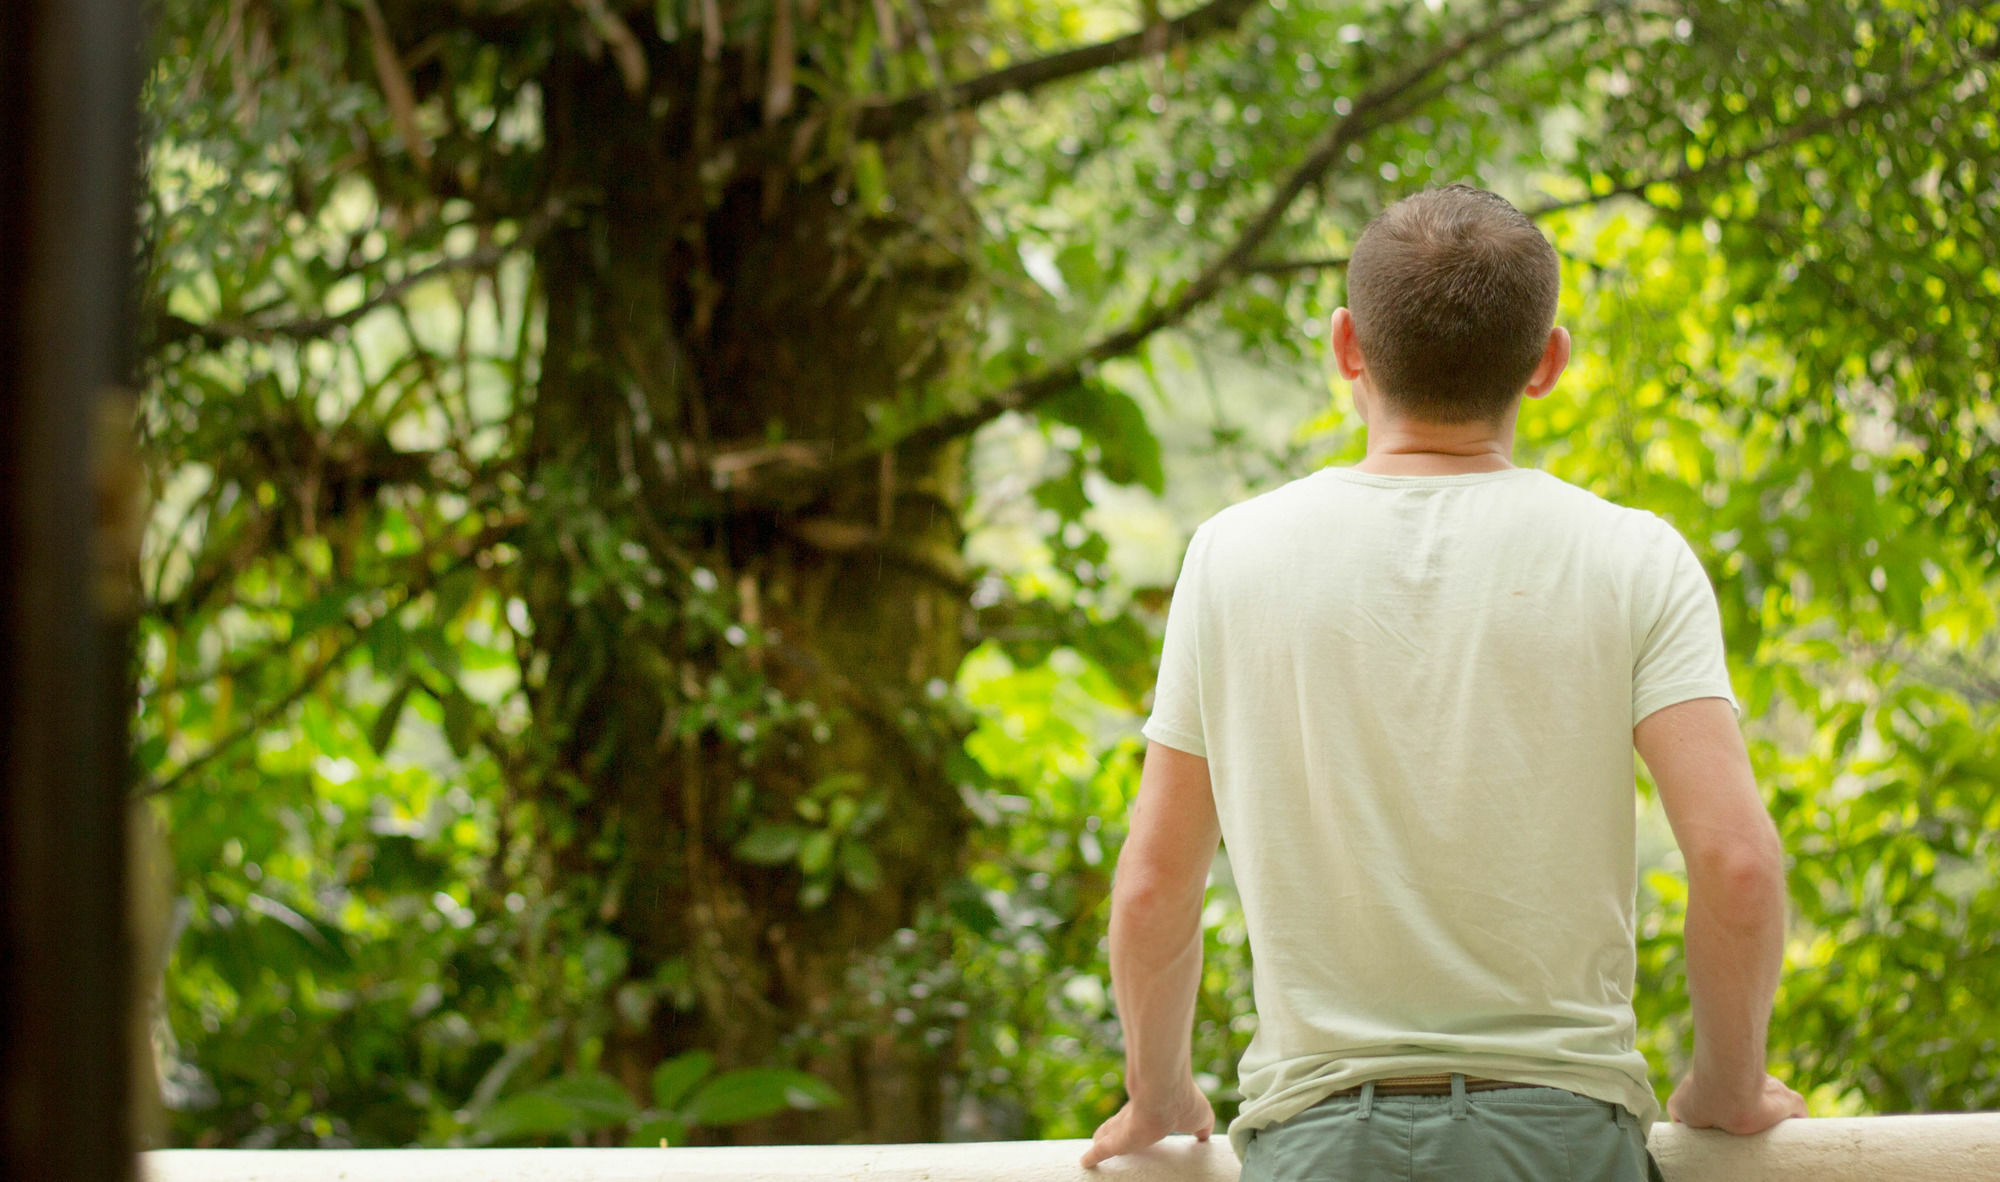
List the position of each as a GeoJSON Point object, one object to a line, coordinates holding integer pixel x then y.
{"type": "Point", "coordinates": [1156, 952]}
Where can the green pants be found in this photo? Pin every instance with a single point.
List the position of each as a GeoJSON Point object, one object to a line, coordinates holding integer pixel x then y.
{"type": "Point", "coordinates": [1505, 1135]}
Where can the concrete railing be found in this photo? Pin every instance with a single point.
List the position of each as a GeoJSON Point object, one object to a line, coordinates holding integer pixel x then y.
{"type": "Point", "coordinates": [1878, 1148]}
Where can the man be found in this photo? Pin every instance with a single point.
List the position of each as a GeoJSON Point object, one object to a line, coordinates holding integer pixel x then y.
{"type": "Point", "coordinates": [1406, 694]}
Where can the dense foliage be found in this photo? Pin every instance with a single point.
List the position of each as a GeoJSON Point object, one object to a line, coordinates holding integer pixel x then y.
{"type": "Point", "coordinates": [662, 513]}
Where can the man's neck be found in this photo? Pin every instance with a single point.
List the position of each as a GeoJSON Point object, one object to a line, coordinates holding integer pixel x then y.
{"type": "Point", "coordinates": [1437, 449]}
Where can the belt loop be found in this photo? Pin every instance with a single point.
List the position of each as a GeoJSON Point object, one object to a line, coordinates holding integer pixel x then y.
{"type": "Point", "coordinates": [1367, 1099]}
{"type": "Point", "coordinates": [1457, 1095]}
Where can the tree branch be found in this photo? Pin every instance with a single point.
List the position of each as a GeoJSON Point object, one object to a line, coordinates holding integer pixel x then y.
{"type": "Point", "coordinates": [885, 118]}
{"type": "Point", "coordinates": [215, 333]}
{"type": "Point", "coordinates": [1370, 110]}
{"type": "Point", "coordinates": [1291, 266]}
{"type": "Point", "coordinates": [1785, 138]}
{"type": "Point", "coordinates": [1796, 133]}
{"type": "Point", "coordinates": [263, 716]}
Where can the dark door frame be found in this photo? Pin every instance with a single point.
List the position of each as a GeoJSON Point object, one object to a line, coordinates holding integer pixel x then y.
{"type": "Point", "coordinates": [68, 87]}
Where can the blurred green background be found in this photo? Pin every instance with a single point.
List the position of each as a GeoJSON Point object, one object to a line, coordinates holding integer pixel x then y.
{"type": "Point", "coordinates": [661, 516]}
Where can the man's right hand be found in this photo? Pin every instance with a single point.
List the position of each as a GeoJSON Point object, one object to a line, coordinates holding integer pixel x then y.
{"type": "Point", "coordinates": [1735, 928]}
{"type": "Point", "coordinates": [1699, 1106]}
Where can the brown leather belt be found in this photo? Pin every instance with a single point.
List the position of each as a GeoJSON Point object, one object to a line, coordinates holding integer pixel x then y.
{"type": "Point", "coordinates": [1429, 1085]}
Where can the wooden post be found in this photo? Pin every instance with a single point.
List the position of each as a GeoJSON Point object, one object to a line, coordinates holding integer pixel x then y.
{"type": "Point", "coordinates": [68, 73]}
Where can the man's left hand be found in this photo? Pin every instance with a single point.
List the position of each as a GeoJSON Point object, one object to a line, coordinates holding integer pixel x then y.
{"type": "Point", "coordinates": [1136, 1126]}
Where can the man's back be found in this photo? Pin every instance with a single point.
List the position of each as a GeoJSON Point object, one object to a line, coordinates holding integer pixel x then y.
{"type": "Point", "coordinates": [1406, 695]}
{"type": "Point", "coordinates": [1416, 696]}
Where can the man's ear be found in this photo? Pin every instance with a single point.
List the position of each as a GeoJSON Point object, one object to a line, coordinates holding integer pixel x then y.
{"type": "Point", "coordinates": [1555, 359]}
{"type": "Point", "coordinates": [1346, 350]}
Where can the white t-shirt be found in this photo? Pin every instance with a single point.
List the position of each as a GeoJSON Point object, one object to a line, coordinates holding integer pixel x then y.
{"type": "Point", "coordinates": [1416, 695]}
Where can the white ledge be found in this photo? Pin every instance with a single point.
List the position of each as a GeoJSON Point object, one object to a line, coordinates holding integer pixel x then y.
{"type": "Point", "coordinates": [1942, 1148]}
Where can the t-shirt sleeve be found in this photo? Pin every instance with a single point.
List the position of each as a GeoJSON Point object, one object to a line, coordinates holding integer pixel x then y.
{"type": "Point", "coordinates": [1680, 653]}
{"type": "Point", "coordinates": [1176, 719]}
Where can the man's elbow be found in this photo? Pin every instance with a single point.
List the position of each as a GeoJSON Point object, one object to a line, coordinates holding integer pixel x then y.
{"type": "Point", "coordinates": [1748, 866]}
{"type": "Point", "coordinates": [1138, 894]}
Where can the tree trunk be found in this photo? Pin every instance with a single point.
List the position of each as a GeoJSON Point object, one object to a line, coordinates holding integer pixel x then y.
{"type": "Point", "coordinates": [714, 645]}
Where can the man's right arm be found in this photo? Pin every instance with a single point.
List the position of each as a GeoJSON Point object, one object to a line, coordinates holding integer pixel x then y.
{"type": "Point", "coordinates": [1735, 916]}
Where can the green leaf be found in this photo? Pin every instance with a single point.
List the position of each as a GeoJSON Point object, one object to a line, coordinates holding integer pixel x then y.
{"type": "Point", "coordinates": [1079, 265]}
{"type": "Point", "coordinates": [433, 642]}
{"type": "Point", "coordinates": [594, 1096]}
{"type": "Point", "coordinates": [1128, 451]}
{"type": "Point", "coordinates": [383, 731]}
{"type": "Point", "coordinates": [870, 180]}
{"type": "Point", "coordinates": [323, 944]}
{"type": "Point", "coordinates": [858, 864]}
{"type": "Point", "coordinates": [399, 863]}
{"type": "Point", "coordinates": [968, 905]}
{"type": "Point", "coordinates": [816, 852]}
{"type": "Point", "coordinates": [673, 1079]}
{"type": "Point", "coordinates": [323, 611]}
{"type": "Point", "coordinates": [518, 1118]}
{"type": "Point", "coordinates": [737, 1096]}
{"type": "Point", "coordinates": [151, 751]}
{"type": "Point", "coordinates": [770, 845]}
{"type": "Point", "coordinates": [452, 595]}
{"type": "Point", "coordinates": [1064, 493]}
{"type": "Point", "coordinates": [580, 1103]}
{"type": "Point", "coordinates": [459, 724]}
{"type": "Point", "coordinates": [388, 646]}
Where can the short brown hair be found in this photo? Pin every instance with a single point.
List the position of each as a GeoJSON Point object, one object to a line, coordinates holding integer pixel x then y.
{"type": "Point", "coordinates": [1453, 293]}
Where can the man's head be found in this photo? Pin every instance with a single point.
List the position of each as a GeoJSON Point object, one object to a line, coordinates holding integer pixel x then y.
{"type": "Point", "coordinates": [1453, 297]}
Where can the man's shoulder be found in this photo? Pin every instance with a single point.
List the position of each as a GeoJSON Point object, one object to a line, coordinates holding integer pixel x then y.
{"type": "Point", "coordinates": [1251, 511]}
{"type": "Point", "coordinates": [1612, 516]}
